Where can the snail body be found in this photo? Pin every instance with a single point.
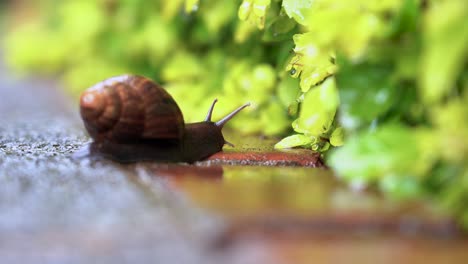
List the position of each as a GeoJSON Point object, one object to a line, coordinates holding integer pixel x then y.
{"type": "Point", "coordinates": [131, 118]}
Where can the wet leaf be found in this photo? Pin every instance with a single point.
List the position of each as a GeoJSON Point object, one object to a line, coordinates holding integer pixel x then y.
{"type": "Point", "coordinates": [318, 109]}
{"type": "Point", "coordinates": [294, 141]}
{"type": "Point", "coordinates": [337, 137]}
{"type": "Point", "coordinates": [295, 9]}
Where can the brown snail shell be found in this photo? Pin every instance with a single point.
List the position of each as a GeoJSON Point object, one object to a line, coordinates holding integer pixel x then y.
{"type": "Point", "coordinates": [132, 118]}
{"type": "Point", "coordinates": [128, 108]}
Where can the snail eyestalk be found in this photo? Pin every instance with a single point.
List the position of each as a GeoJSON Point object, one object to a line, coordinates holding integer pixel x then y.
{"type": "Point", "coordinates": [223, 121]}
{"type": "Point", "coordinates": [210, 111]}
{"type": "Point", "coordinates": [228, 143]}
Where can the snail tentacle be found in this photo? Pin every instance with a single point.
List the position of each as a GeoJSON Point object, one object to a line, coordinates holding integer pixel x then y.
{"type": "Point", "coordinates": [210, 111]}
{"type": "Point", "coordinates": [223, 121]}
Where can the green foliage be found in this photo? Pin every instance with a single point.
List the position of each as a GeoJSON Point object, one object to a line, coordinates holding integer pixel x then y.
{"type": "Point", "coordinates": [400, 69]}
{"type": "Point", "coordinates": [367, 92]}
{"type": "Point", "coordinates": [315, 121]}
{"type": "Point", "coordinates": [254, 11]}
{"type": "Point", "coordinates": [389, 150]}
{"type": "Point", "coordinates": [445, 38]}
{"type": "Point", "coordinates": [403, 107]}
{"type": "Point", "coordinates": [385, 80]}
{"type": "Point", "coordinates": [198, 50]}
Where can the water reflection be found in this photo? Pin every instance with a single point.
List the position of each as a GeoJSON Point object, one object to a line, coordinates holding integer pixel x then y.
{"type": "Point", "coordinates": [301, 199]}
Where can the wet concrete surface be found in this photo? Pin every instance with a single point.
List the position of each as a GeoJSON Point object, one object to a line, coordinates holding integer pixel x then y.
{"type": "Point", "coordinates": [279, 209]}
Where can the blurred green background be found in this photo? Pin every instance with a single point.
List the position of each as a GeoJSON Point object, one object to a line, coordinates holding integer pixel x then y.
{"type": "Point", "coordinates": [379, 87]}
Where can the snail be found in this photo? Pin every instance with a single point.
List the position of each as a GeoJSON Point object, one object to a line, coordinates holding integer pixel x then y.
{"type": "Point", "coordinates": [131, 118]}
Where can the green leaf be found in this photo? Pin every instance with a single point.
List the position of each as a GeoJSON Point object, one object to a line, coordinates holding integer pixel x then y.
{"type": "Point", "coordinates": [255, 11]}
{"type": "Point", "coordinates": [294, 141]}
{"type": "Point", "coordinates": [401, 187]}
{"type": "Point", "coordinates": [296, 9]}
{"type": "Point", "coordinates": [288, 90]}
{"type": "Point", "coordinates": [451, 127]}
{"type": "Point", "coordinates": [366, 92]}
{"type": "Point", "coordinates": [281, 28]}
{"type": "Point", "coordinates": [391, 150]}
{"type": "Point", "coordinates": [445, 36]}
{"type": "Point", "coordinates": [337, 137]}
{"type": "Point", "coordinates": [312, 61]}
{"type": "Point", "coordinates": [406, 19]}
{"type": "Point", "coordinates": [318, 109]}
{"type": "Point", "coordinates": [244, 9]}
{"type": "Point", "coordinates": [191, 5]}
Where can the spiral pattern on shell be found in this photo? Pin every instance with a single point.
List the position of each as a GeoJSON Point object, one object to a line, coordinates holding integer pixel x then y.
{"type": "Point", "coordinates": [130, 108]}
